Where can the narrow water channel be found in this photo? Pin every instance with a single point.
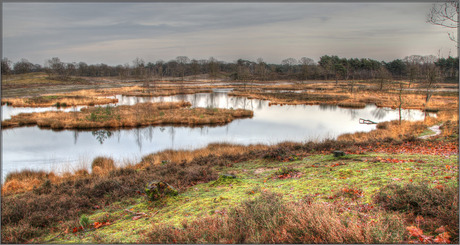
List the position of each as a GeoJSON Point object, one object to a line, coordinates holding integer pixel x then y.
{"type": "Point", "coordinates": [42, 149]}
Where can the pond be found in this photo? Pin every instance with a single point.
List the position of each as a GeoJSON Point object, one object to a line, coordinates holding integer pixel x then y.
{"type": "Point", "coordinates": [68, 150]}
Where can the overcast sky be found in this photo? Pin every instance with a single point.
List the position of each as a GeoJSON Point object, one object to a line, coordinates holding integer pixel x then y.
{"type": "Point", "coordinates": [117, 33]}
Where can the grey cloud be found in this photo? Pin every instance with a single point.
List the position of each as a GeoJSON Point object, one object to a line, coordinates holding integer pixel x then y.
{"type": "Point", "coordinates": [228, 29]}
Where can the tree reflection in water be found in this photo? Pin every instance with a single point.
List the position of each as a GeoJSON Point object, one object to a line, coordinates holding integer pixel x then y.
{"type": "Point", "coordinates": [325, 107]}
{"type": "Point", "coordinates": [380, 113]}
{"type": "Point", "coordinates": [101, 135]}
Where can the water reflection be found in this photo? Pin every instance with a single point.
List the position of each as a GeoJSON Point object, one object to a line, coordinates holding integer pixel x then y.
{"type": "Point", "coordinates": [380, 113]}
{"type": "Point", "coordinates": [324, 107]}
{"type": "Point", "coordinates": [270, 125]}
{"type": "Point", "coordinates": [100, 135]}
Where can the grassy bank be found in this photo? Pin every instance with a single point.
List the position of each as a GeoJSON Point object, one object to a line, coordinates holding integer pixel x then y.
{"type": "Point", "coordinates": [350, 197]}
{"type": "Point", "coordinates": [142, 114]}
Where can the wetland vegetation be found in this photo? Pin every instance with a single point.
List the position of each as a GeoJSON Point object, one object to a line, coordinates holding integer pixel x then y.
{"type": "Point", "coordinates": [143, 114]}
{"type": "Point", "coordinates": [390, 187]}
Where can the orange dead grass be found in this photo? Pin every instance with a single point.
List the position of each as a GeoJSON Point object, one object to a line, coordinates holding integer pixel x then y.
{"type": "Point", "coordinates": [217, 149]}
{"type": "Point", "coordinates": [54, 100]}
{"type": "Point", "coordinates": [340, 94]}
{"type": "Point", "coordinates": [142, 114]}
{"type": "Point", "coordinates": [407, 128]}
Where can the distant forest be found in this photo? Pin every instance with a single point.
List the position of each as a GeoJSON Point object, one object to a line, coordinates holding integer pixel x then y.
{"type": "Point", "coordinates": [414, 68]}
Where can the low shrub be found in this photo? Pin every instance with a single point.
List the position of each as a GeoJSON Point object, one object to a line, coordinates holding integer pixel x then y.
{"type": "Point", "coordinates": [278, 153]}
{"type": "Point", "coordinates": [438, 205]}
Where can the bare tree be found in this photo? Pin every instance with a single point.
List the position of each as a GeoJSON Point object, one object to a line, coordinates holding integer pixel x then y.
{"type": "Point", "coordinates": [261, 69]}
{"type": "Point", "coordinates": [195, 66]}
{"type": "Point", "coordinates": [56, 68]}
{"type": "Point", "coordinates": [6, 66]}
{"type": "Point", "coordinates": [139, 67]}
{"type": "Point", "coordinates": [289, 63]}
{"type": "Point", "coordinates": [213, 68]}
{"type": "Point", "coordinates": [401, 101]}
{"type": "Point", "coordinates": [182, 61]}
{"type": "Point", "coordinates": [306, 63]}
{"type": "Point", "coordinates": [413, 64]}
{"type": "Point", "coordinates": [432, 76]}
{"type": "Point", "coordinates": [445, 14]}
{"type": "Point", "coordinates": [383, 77]}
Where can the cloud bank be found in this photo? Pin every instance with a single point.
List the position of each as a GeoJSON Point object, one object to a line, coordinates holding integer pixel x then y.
{"type": "Point", "coordinates": [116, 33]}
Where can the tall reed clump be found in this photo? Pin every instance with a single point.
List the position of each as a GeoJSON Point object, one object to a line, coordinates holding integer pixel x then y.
{"type": "Point", "coordinates": [269, 219]}
{"type": "Point", "coordinates": [102, 165]}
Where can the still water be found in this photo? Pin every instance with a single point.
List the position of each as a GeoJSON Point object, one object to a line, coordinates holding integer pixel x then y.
{"type": "Point", "coordinates": [42, 149]}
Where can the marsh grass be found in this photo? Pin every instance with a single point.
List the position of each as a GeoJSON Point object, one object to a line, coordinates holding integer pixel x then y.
{"type": "Point", "coordinates": [58, 100]}
{"type": "Point", "coordinates": [394, 130]}
{"type": "Point", "coordinates": [142, 114]}
{"type": "Point", "coordinates": [385, 130]}
{"type": "Point", "coordinates": [101, 165]}
{"type": "Point", "coordinates": [328, 93]}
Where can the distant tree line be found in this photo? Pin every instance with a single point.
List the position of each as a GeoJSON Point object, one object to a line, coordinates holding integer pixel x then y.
{"type": "Point", "coordinates": [413, 68]}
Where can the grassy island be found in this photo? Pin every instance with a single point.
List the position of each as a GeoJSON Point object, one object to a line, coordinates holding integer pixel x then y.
{"type": "Point", "coordinates": [142, 114]}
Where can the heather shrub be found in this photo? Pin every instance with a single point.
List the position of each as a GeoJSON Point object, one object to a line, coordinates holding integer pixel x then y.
{"type": "Point", "coordinates": [419, 199]}
{"type": "Point", "coordinates": [269, 219]}
{"type": "Point", "coordinates": [439, 206]}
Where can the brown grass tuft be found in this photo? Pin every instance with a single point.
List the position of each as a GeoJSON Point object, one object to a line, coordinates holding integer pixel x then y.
{"type": "Point", "coordinates": [103, 163]}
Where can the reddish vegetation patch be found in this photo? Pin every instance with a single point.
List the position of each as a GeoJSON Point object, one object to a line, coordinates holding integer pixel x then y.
{"type": "Point", "coordinates": [393, 160]}
{"type": "Point", "coordinates": [288, 176]}
{"type": "Point", "coordinates": [418, 147]}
